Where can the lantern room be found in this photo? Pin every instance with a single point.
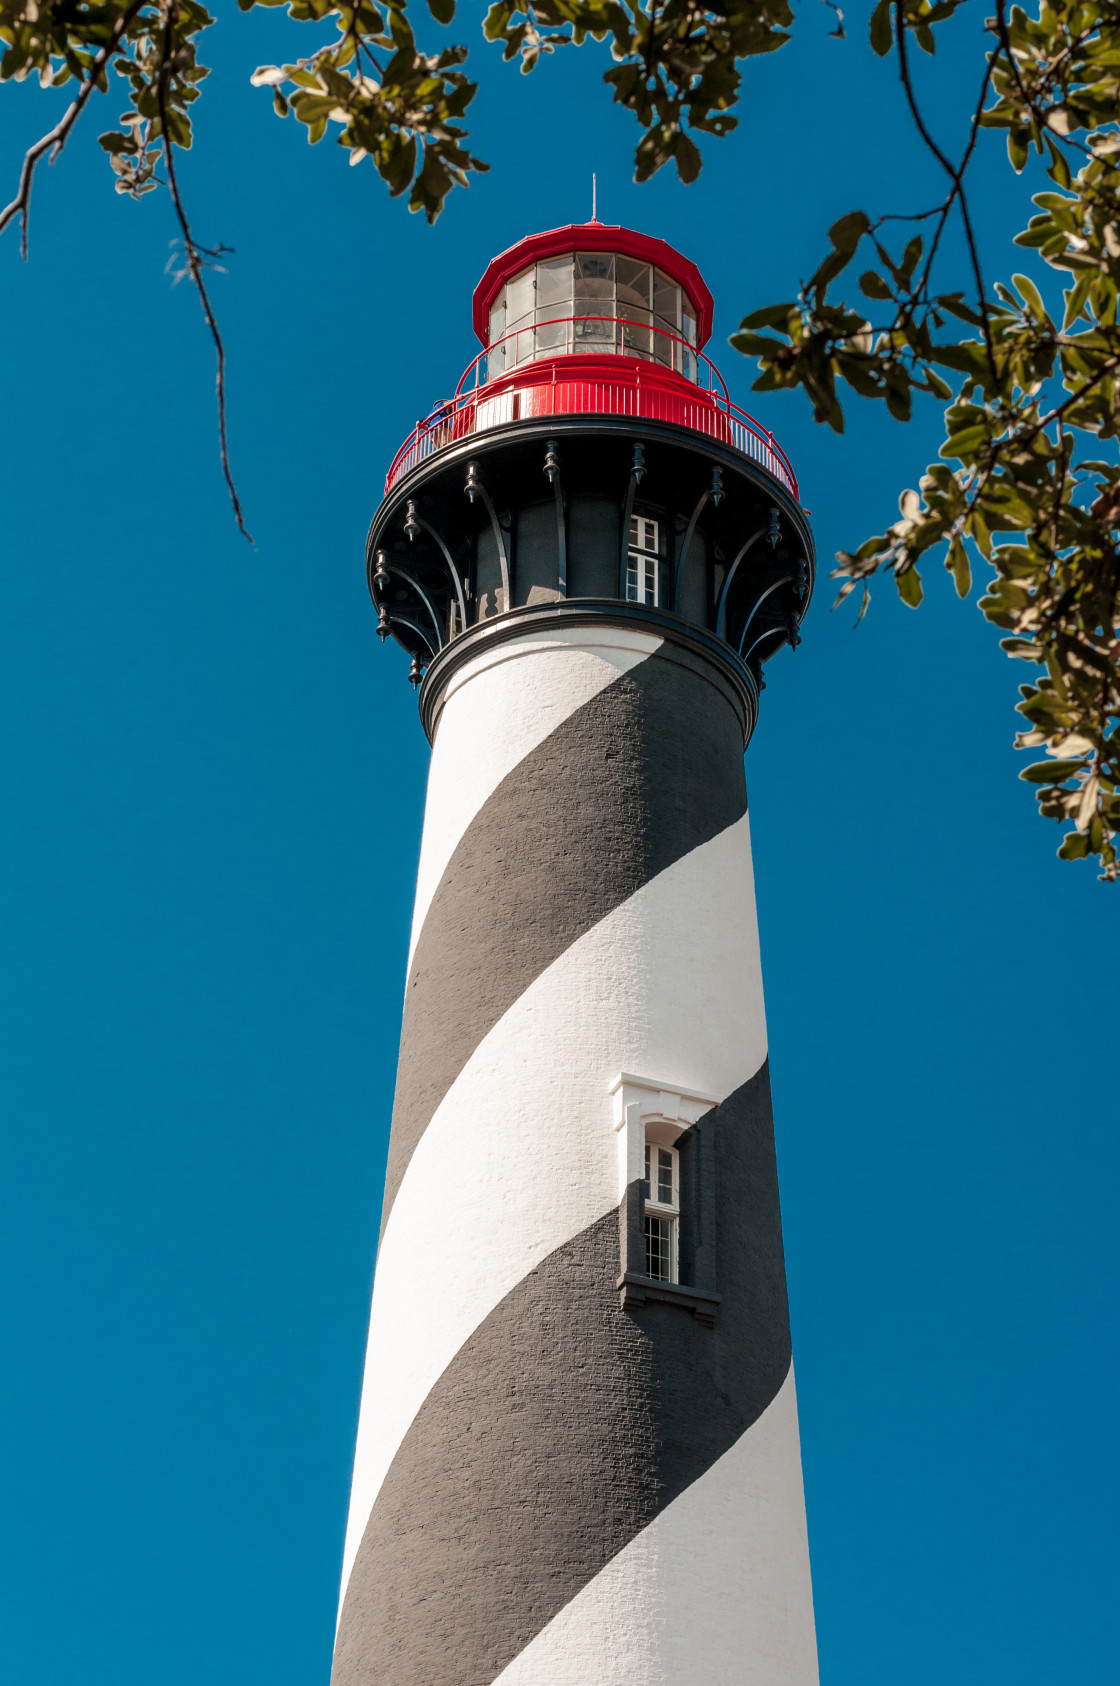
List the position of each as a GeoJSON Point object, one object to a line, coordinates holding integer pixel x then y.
{"type": "Point", "coordinates": [591, 464]}
{"type": "Point", "coordinates": [592, 289]}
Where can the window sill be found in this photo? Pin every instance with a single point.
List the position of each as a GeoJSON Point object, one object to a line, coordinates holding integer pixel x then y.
{"type": "Point", "coordinates": [634, 1291]}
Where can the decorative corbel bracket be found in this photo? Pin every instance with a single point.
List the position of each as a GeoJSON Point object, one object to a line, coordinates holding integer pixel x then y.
{"type": "Point", "coordinates": [415, 523]}
{"type": "Point", "coordinates": [552, 470]}
{"type": "Point", "coordinates": [637, 475]}
{"type": "Point", "coordinates": [475, 487]}
{"type": "Point", "coordinates": [714, 492]}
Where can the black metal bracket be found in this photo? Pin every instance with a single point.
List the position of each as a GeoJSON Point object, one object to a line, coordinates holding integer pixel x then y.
{"type": "Point", "coordinates": [475, 487]}
{"type": "Point", "coordinates": [715, 493]}
{"type": "Point", "coordinates": [637, 475]}
{"type": "Point", "coordinates": [552, 470]}
{"type": "Point", "coordinates": [415, 523]}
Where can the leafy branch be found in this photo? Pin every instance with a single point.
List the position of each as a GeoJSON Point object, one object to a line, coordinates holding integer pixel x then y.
{"type": "Point", "coordinates": [676, 63]}
{"type": "Point", "coordinates": [395, 105]}
{"type": "Point", "coordinates": [1006, 488]}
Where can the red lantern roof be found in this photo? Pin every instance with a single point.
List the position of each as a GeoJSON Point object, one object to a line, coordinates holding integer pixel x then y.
{"type": "Point", "coordinates": [593, 237]}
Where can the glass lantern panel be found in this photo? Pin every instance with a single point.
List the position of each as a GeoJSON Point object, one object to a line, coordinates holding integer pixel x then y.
{"type": "Point", "coordinates": [635, 333]}
{"type": "Point", "coordinates": [496, 360]}
{"type": "Point", "coordinates": [554, 280]}
{"type": "Point", "coordinates": [519, 295]}
{"type": "Point", "coordinates": [688, 357]}
{"type": "Point", "coordinates": [554, 303]}
{"type": "Point", "coordinates": [633, 281]}
{"type": "Point", "coordinates": [594, 297]}
{"type": "Point", "coordinates": [664, 341]}
{"type": "Point", "coordinates": [666, 298]}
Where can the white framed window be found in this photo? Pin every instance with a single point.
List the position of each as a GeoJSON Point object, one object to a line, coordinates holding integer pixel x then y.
{"type": "Point", "coordinates": [661, 1216]}
{"type": "Point", "coordinates": [642, 560]}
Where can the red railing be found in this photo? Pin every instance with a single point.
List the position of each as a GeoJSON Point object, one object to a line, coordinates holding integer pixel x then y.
{"type": "Point", "coordinates": [559, 381]}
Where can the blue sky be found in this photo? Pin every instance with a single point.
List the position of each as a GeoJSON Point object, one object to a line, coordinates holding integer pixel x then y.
{"type": "Point", "coordinates": [214, 780]}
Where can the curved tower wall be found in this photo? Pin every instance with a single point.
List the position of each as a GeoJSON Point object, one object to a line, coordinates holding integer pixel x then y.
{"type": "Point", "coordinates": [566, 1474]}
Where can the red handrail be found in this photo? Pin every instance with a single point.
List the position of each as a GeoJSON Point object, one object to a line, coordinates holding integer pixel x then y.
{"type": "Point", "coordinates": [594, 382]}
{"type": "Point", "coordinates": [550, 351]}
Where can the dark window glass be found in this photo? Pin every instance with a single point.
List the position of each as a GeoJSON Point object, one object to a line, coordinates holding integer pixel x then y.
{"type": "Point", "coordinates": [659, 1249]}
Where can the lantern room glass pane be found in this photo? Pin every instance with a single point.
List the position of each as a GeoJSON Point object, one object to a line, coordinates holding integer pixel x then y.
{"type": "Point", "coordinates": [594, 302]}
{"type": "Point", "coordinates": [634, 331]}
{"type": "Point", "coordinates": [496, 359]}
{"type": "Point", "coordinates": [666, 297]}
{"type": "Point", "coordinates": [633, 281]}
{"type": "Point", "coordinates": [519, 294]}
{"type": "Point", "coordinates": [554, 280]}
{"type": "Point", "coordinates": [554, 303]}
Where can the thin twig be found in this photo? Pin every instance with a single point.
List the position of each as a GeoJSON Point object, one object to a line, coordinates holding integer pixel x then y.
{"type": "Point", "coordinates": [21, 204]}
{"type": "Point", "coordinates": [195, 266]}
{"type": "Point", "coordinates": [958, 192]}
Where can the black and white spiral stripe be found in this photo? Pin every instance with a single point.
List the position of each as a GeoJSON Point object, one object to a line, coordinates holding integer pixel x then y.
{"type": "Point", "coordinates": [549, 1490]}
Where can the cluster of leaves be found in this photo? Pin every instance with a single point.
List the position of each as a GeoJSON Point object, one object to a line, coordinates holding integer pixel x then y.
{"type": "Point", "coordinates": [1011, 485]}
{"type": "Point", "coordinates": [396, 105]}
{"type": "Point", "coordinates": [676, 64]}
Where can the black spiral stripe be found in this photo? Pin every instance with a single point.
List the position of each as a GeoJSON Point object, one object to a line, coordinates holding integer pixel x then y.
{"type": "Point", "coordinates": [630, 782]}
{"type": "Point", "coordinates": [560, 1430]}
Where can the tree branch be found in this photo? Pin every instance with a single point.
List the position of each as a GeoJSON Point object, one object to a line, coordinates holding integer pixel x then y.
{"type": "Point", "coordinates": [21, 204]}
{"type": "Point", "coordinates": [195, 256]}
{"type": "Point", "coordinates": [955, 176]}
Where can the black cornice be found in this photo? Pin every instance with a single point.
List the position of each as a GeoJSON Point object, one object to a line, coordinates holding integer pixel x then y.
{"type": "Point", "coordinates": [478, 445]}
{"type": "Point", "coordinates": [722, 664]}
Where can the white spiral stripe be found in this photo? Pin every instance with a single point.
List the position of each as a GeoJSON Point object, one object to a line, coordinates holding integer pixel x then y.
{"type": "Point", "coordinates": [497, 710]}
{"type": "Point", "coordinates": [521, 1154]}
{"type": "Point", "coordinates": [715, 1591]}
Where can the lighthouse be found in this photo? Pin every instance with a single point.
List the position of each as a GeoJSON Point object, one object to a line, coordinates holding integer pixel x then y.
{"type": "Point", "coordinates": [577, 1459]}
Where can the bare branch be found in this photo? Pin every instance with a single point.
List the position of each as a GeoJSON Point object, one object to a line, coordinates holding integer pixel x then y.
{"type": "Point", "coordinates": [196, 257]}
{"type": "Point", "coordinates": [955, 175]}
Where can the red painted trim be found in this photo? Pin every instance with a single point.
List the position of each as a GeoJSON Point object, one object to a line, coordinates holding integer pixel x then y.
{"type": "Point", "coordinates": [593, 237]}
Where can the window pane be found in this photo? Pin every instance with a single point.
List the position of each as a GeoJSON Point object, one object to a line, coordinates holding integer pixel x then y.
{"type": "Point", "coordinates": [519, 295]}
{"type": "Point", "coordinates": [659, 1249]}
{"type": "Point", "coordinates": [594, 296]}
{"type": "Point", "coordinates": [665, 1178]}
{"type": "Point", "coordinates": [594, 335]}
{"type": "Point", "coordinates": [551, 334]}
{"type": "Point", "coordinates": [645, 1184]}
{"type": "Point", "coordinates": [595, 271]}
{"type": "Point", "coordinates": [633, 283]}
{"type": "Point", "coordinates": [634, 339]}
{"type": "Point", "coordinates": [496, 359]}
{"type": "Point", "coordinates": [554, 281]}
{"type": "Point", "coordinates": [687, 363]}
{"type": "Point", "coordinates": [664, 341]}
{"type": "Point", "coordinates": [667, 298]}
{"type": "Point", "coordinates": [519, 344]}
{"type": "Point", "coordinates": [643, 533]}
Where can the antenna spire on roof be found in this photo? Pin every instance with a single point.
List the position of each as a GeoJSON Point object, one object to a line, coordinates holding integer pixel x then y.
{"type": "Point", "coordinates": [594, 197]}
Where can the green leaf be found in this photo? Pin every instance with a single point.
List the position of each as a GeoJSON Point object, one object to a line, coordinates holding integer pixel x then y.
{"type": "Point", "coordinates": [847, 233]}
{"type": "Point", "coordinates": [958, 565]}
{"type": "Point", "coordinates": [442, 10]}
{"type": "Point", "coordinates": [909, 587]}
{"type": "Point", "coordinates": [882, 37]}
{"type": "Point", "coordinates": [770, 316]}
{"type": "Point", "coordinates": [1051, 772]}
{"type": "Point", "coordinates": [1029, 292]}
{"type": "Point", "coordinates": [873, 285]}
{"type": "Point", "coordinates": [1058, 168]}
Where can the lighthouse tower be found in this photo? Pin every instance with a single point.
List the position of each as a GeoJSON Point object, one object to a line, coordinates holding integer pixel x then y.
{"type": "Point", "coordinates": [577, 1459]}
